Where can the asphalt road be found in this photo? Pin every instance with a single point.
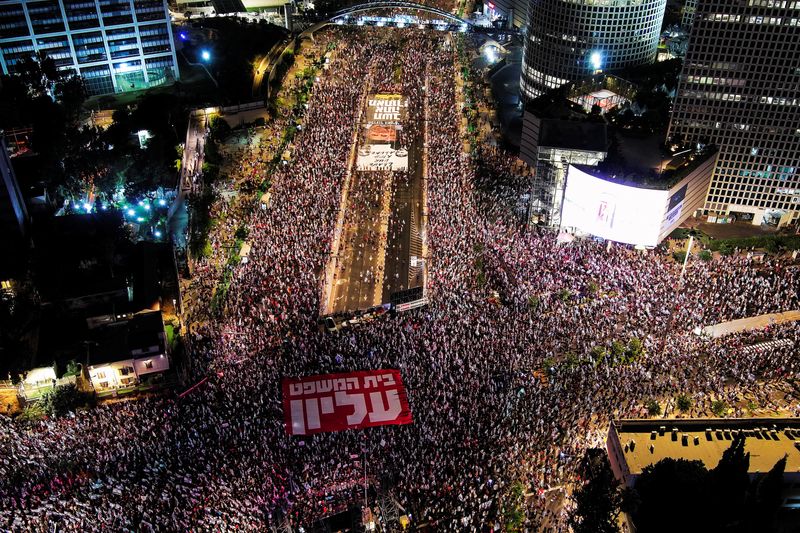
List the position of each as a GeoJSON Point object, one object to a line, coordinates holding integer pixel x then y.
{"type": "Point", "coordinates": [360, 252]}
{"type": "Point", "coordinates": [371, 216]}
{"type": "Point", "coordinates": [406, 210]}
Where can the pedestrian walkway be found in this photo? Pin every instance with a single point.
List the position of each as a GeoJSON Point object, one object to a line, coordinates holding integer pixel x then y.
{"type": "Point", "coordinates": [753, 322]}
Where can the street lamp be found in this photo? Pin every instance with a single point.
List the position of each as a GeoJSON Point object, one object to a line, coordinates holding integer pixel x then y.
{"type": "Point", "coordinates": [205, 56]}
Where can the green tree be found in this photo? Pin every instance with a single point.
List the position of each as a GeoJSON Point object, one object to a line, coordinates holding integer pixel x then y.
{"type": "Point", "coordinates": [219, 129]}
{"type": "Point", "coordinates": [71, 92]}
{"type": "Point", "coordinates": [767, 498]}
{"type": "Point", "coordinates": [599, 354]}
{"type": "Point", "coordinates": [635, 348]}
{"type": "Point", "coordinates": [728, 484]}
{"type": "Point", "coordinates": [653, 408]}
{"type": "Point", "coordinates": [592, 288]}
{"type": "Point", "coordinates": [719, 408]}
{"type": "Point", "coordinates": [38, 73]}
{"type": "Point", "coordinates": [679, 257]}
{"type": "Point", "coordinates": [670, 491]}
{"type": "Point", "coordinates": [617, 350]}
{"type": "Point", "coordinates": [597, 500]}
{"type": "Point", "coordinates": [683, 402]}
{"type": "Point", "coordinates": [63, 399]}
{"type": "Point", "coordinates": [571, 360]}
{"type": "Point", "coordinates": [514, 507]}
{"type": "Point", "coordinates": [72, 369]}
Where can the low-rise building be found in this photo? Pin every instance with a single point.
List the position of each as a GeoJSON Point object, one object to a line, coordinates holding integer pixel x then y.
{"type": "Point", "coordinates": [634, 445]}
{"type": "Point", "coordinates": [633, 208]}
{"type": "Point", "coordinates": [126, 352]}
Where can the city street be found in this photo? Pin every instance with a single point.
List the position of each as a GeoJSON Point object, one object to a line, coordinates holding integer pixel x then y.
{"type": "Point", "coordinates": [380, 251]}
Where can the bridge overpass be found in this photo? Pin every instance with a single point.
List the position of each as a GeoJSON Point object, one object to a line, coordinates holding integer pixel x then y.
{"type": "Point", "coordinates": [441, 20]}
{"type": "Point", "coordinates": [351, 16]}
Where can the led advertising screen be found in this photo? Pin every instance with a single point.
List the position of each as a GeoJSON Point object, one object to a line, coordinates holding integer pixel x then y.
{"type": "Point", "coordinates": [612, 211]}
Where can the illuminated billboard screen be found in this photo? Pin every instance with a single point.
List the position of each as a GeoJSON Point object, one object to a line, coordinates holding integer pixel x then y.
{"type": "Point", "coordinates": [612, 211]}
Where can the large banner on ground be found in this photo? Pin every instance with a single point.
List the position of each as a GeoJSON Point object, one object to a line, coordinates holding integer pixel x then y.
{"type": "Point", "coordinates": [386, 108]}
{"type": "Point", "coordinates": [382, 148]}
{"type": "Point", "coordinates": [374, 157]}
{"type": "Point", "coordinates": [353, 400]}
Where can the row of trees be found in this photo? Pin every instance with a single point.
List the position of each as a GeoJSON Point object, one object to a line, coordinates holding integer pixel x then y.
{"type": "Point", "coordinates": [75, 158]}
{"type": "Point", "coordinates": [680, 493]}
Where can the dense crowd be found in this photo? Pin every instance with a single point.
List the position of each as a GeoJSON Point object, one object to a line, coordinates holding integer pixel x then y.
{"type": "Point", "coordinates": [503, 369]}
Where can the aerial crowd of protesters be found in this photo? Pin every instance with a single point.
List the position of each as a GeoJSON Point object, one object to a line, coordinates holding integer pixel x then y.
{"type": "Point", "coordinates": [526, 351]}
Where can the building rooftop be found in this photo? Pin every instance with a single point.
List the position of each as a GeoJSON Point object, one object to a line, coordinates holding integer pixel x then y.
{"type": "Point", "coordinates": [118, 340]}
{"type": "Point", "coordinates": [671, 170]}
{"type": "Point", "coordinates": [76, 255]}
{"type": "Point", "coordinates": [766, 439]}
{"type": "Point", "coordinates": [573, 135]}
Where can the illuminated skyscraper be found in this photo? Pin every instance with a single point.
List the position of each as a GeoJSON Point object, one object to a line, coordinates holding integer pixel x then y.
{"type": "Point", "coordinates": [740, 90]}
{"type": "Point", "coordinates": [571, 39]}
{"type": "Point", "coordinates": [116, 45]}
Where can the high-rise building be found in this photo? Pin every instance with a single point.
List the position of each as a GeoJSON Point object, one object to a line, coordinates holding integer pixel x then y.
{"type": "Point", "coordinates": [13, 215]}
{"type": "Point", "coordinates": [687, 14]}
{"type": "Point", "coordinates": [740, 90]}
{"type": "Point", "coordinates": [116, 45]}
{"type": "Point", "coordinates": [568, 40]}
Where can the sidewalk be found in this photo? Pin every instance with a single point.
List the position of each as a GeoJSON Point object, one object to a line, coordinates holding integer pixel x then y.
{"type": "Point", "coordinates": [754, 322]}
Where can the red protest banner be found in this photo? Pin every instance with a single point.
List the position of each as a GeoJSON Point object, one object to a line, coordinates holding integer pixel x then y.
{"type": "Point", "coordinates": [353, 400]}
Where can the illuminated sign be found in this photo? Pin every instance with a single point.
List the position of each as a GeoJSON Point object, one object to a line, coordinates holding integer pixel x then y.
{"type": "Point", "coordinates": [612, 211]}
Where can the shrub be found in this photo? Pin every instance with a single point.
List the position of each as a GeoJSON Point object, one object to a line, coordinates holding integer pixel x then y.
{"type": "Point", "coordinates": [63, 399]}
{"type": "Point", "coordinates": [653, 408]}
{"type": "Point", "coordinates": [635, 348]}
{"type": "Point", "coordinates": [683, 402]}
{"type": "Point", "coordinates": [719, 408]}
{"type": "Point", "coordinates": [705, 255]}
{"type": "Point", "coordinates": [680, 257]}
{"type": "Point", "coordinates": [32, 413]}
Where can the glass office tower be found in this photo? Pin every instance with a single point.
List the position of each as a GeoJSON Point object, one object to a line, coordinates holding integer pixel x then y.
{"type": "Point", "coordinates": [740, 89]}
{"type": "Point", "coordinates": [568, 40]}
{"type": "Point", "coordinates": [116, 45]}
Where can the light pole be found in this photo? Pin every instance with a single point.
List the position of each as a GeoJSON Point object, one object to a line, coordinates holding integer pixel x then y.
{"type": "Point", "coordinates": [686, 259]}
{"type": "Point", "coordinates": [205, 56]}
